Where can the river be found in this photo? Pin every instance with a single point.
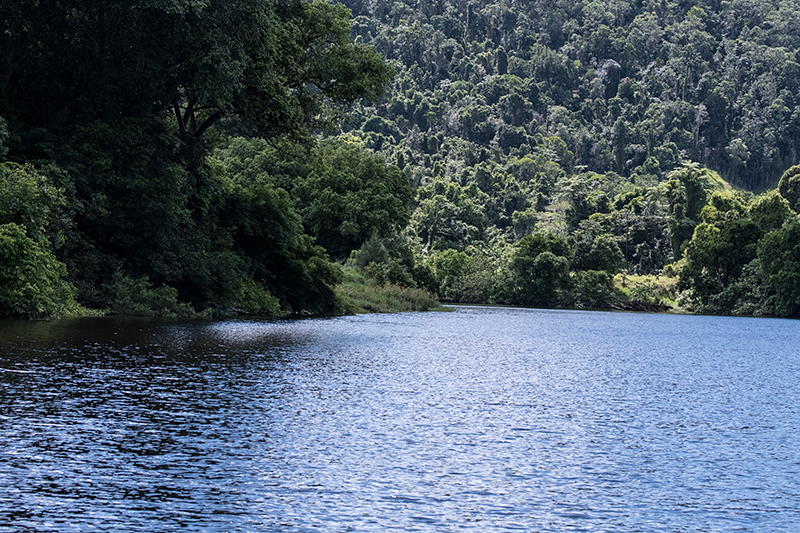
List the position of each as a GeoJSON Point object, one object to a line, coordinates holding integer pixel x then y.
{"type": "Point", "coordinates": [480, 419]}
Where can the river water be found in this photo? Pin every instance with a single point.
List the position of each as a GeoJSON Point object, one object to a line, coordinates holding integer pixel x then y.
{"type": "Point", "coordinates": [480, 419]}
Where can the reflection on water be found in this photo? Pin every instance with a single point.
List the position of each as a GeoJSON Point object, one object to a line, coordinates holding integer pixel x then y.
{"type": "Point", "coordinates": [478, 420]}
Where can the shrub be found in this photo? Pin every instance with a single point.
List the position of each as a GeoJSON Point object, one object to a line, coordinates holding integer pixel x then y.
{"type": "Point", "coordinates": [128, 296]}
{"type": "Point", "coordinates": [592, 288]}
{"type": "Point", "coordinates": [31, 278]}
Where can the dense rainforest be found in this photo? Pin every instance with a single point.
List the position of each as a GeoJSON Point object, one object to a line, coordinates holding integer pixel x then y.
{"type": "Point", "coordinates": [177, 157]}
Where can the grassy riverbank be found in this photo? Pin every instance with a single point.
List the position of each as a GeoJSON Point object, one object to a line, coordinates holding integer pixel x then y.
{"type": "Point", "coordinates": [362, 295]}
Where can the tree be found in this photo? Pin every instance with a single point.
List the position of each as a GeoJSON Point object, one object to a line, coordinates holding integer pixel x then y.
{"type": "Point", "coordinates": [281, 66]}
{"type": "Point", "coordinates": [602, 255]}
{"type": "Point", "coordinates": [32, 281]}
{"type": "Point", "coordinates": [134, 96]}
{"type": "Point", "coordinates": [779, 255]}
{"type": "Point", "coordinates": [541, 280]}
{"type": "Point", "coordinates": [592, 288]}
{"type": "Point", "coordinates": [540, 267]}
{"type": "Point", "coordinates": [770, 210]}
{"type": "Point", "coordinates": [686, 200]}
{"type": "Point", "coordinates": [449, 216]}
{"type": "Point", "coordinates": [502, 61]}
{"type": "Point", "coordinates": [29, 199]}
{"type": "Point", "coordinates": [350, 194]}
{"type": "Point", "coordinates": [715, 258]}
{"type": "Point", "coordinates": [532, 245]}
{"type": "Point", "coordinates": [31, 278]}
{"type": "Point", "coordinates": [271, 249]}
{"type": "Point", "coordinates": [789, 187]}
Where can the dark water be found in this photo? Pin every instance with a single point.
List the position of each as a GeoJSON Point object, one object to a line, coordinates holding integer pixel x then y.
{"type": "Point", "coordinates": [477, 420]}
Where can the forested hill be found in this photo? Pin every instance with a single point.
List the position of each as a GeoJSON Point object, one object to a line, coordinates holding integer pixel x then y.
{"type": "Point", "coordinates": [607, 133]}
{"type": "Point", "coordinates": [628, 87]}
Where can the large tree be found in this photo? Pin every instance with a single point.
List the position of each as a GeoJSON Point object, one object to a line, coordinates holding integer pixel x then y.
{"type": "Point", "coordinates": [277, 64]}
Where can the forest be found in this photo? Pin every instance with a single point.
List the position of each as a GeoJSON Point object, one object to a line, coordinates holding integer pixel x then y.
{"type": "Point", "coordinates": [177, 157]}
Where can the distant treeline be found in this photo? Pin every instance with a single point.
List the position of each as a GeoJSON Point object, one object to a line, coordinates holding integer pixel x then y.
{"type": "Point", "coordinates": [611, 86]}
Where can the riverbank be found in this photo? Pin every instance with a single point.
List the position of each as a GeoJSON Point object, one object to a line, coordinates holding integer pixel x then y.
{"type": "Point", "coordinates": [362, 295]}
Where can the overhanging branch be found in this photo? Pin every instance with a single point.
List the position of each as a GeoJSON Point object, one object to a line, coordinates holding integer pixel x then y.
{"type": "Point", "coordinates": [207, 123]}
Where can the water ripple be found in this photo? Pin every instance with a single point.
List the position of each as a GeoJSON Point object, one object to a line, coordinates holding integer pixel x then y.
{"type": "Point", "coordinates": [477, 420]}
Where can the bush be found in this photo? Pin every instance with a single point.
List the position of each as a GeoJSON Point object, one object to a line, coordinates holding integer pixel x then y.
{"type": "Point", "coordinates": [255, 299]}
{"type": "Point", "coordinates": [385, 261]}
{"type": "Point", "coordinates": [359, 295]}
{"type": "Point", "coordinates": [31, 278]}
{"type": "Point", "coordinates": [592, 288]}
{"type": "Point", "coordinates": [128, 296]}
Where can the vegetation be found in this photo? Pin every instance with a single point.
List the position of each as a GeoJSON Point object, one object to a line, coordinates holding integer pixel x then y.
{"type": "Point", "coordinates": [639, 135]}
{"type": "Point", "coordinates": [123, 204]}
{"type": "Point", "coordinates": [309, 157]}
{"type": "Point", "coordinates": [361, 294]}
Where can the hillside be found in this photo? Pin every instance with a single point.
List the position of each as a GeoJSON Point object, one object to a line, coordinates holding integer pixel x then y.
{"type": "Point", "coordinates": [627, 87]}
{"type": "Point", "coordinates": [598, 123]}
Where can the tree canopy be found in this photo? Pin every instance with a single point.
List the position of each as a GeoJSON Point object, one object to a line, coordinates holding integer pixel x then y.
{"type": "Point", "coordinates": [279, 66]}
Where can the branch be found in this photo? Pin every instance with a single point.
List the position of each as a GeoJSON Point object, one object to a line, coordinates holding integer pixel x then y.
{"type": "Point", "coordinates": [207, 123]}
{"type": "Point", "coordinates": [189, 113]}
{"type": "Point", "coordinates": [179, 116]}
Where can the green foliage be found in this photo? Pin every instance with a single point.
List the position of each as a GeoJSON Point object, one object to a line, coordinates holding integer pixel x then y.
{"type": "Point", "coordinates": [32, 281]}
{"type": "Point", "coordinates": [372, 251]}
{"type": "Point", "coordinates": [531, 246]}
{"type": "Point", "coordinates": [524, 222]}
{"type": "Point", "coordinates": [779, 255]}
{"type": "Point", "coordinates": [540, 270]}
{"type": "Point", "coordinates": [789, 187]}
{"type": "Point", "coordinates": [602, 253]}
{"type": "Point", "coordinates": [391, 260]}
{"type": "Point", "coordinates": [281, 67]}
{"type": "Point", "coordinates": [132, 205]}
{"type": "Point", "coordinates": [448, 266]}
{"type": "Point", "coordinates": [137, 297]}
{"type": "Point", "coordinates": [349, 195]}
{"type": "Point", "coordinates": [541, 165]}
{"type": "Point", "coordinates": [136, 96]}
{"type": "Point", "coordinates": [648, 289]}
{"type": "Point", "coordinates": [449, 215]}
{"type": "Point", "coordinates": [751, 294]}
{"type": "Point", "coordinates": [359, 295]}
{"type": "Point", "coordinates": [723, 206]}
{"type": "Point", "coordinates": [267, 235]}
{"type": "Point", "coordinates": [514, 122]}
{"type": "Point", "coordinates": [710, 85]}
{"type": "Point", "coordinates": [592, 288]}
{"type": "Point", "coordinates": [466, 277]}
{"type": "Point", "coordinates": [542, 280]}
{"type": "Point", "coordinates": [687, 197]}
{"type": "Point", "coordinates": [31, 278]}
{"type": "Point", "coordinates": [255, 299]}
{"type": "Point", "coordinates": [30, 199]}
{"type": "Point", "coordinates": [715, 258]}
{"type": "Point", "coordinates": [769, 211]}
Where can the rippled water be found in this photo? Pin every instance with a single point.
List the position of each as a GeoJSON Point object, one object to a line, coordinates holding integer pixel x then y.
{"type": "Point", "coordinates": [477, 420]}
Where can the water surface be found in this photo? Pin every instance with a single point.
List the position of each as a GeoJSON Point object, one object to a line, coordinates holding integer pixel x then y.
{"type": "Point", "coordinates": [482, 419]}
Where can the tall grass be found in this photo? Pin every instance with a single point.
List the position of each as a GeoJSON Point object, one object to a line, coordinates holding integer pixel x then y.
{"type": "Point", "coordinates": [362, 295]}
{"type": "Point", "coordinates": [647, 288]}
